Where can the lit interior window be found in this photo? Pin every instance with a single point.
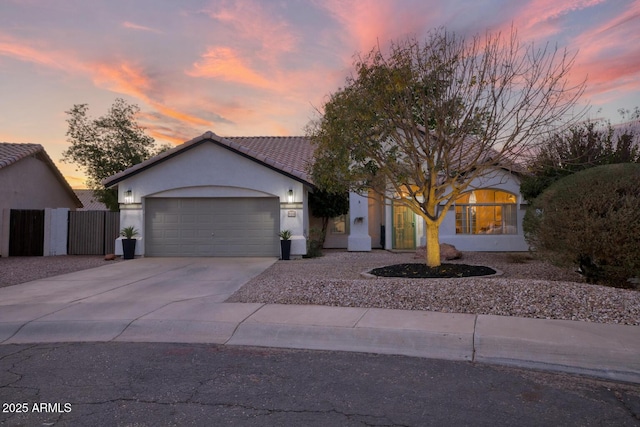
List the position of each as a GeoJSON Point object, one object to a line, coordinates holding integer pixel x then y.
{"type": "Point", "coordinates": [339, 224]}
{"type": "Point", "coordinates": [486, 212]}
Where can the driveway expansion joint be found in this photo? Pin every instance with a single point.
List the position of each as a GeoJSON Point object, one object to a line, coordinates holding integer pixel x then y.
{"type": "Point", "coordinates": [473, 339]}
{"type": "Point", "coordinates": [235, 329]}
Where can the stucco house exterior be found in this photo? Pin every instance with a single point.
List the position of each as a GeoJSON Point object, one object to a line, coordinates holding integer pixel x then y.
{"type": "Point", "coordinates": [485, 219]}
{"type": "Point", "coordinates": [215, 196]}
{"type": "Point", "coordinates": [29, 180]}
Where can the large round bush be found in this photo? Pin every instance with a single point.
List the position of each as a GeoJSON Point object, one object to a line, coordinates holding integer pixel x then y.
{"type": "Point", "coordinates": [592, 219]}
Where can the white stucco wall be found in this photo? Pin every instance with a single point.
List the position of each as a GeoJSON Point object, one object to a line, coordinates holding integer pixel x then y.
{"type": "Point", "coordinates": [499, 180]}
{"type": "Point", "coordinates": [503, 181]}
{"type": "Point", "coordinates": [209, 170]}
{"type": "Point", "coordinates": [56, 225]}
{"type": "Point", "coordinates": [359, 239]}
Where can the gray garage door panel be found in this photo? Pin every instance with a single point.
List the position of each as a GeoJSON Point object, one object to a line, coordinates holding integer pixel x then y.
{"type": "Point", "coordinates": [212, 227]}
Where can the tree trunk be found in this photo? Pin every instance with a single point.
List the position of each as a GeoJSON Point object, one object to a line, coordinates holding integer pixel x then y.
{"type": "Point", "coordinates": [323, 232]}
{"type": "Point", "coordinates": [432, 252]}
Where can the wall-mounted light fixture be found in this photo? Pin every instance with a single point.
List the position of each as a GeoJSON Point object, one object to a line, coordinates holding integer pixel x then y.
{"type": "Point", "coordinates": [290, 195]}
{"type": "Point", "coordinates": [128, 197]}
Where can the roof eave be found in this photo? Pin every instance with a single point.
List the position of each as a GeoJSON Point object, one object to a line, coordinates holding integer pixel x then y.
{"type": "Point", "coordinates": [62, 179]}
{"type": "Point", "coordinates": [208, 136]}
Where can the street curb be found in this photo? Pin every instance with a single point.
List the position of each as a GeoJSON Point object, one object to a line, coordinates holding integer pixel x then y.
{"type": "Point", "coordinates": [597, 350]}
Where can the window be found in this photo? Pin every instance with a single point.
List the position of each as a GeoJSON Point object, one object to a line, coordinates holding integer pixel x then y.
{"type": "Point", "coordinates": [339, 224]}
{"type": "Point", "coordinates": [486, 212]}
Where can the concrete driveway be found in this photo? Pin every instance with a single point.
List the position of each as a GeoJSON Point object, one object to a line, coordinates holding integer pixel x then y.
{"type": "Point", "coordinates": [181, 300]}
{"type": "Point", "coordinates": [135, 296]}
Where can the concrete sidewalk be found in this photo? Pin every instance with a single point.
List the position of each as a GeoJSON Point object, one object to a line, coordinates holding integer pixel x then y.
{"type": "Point", "coordinates": [606, 351]}
{"type": "Point", "coordinates": [182, 300]}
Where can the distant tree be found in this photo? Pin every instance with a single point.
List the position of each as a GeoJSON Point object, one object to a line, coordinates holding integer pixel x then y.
{"type": "Point", "coordinates": [107, 145]}
{"type": "Point", "coordinates": [582, 146]}
{"type": "Point", "coordinates": [420, 124]}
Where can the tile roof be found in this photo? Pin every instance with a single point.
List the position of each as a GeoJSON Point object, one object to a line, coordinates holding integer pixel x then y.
{"type": "Point", "coordinates": [470, 151]}
{"type": "Point", "coordinates": [289, 155]}
{"type": "Point", "coordinates": [286, 154]}
{"type": "Point", "coordinates": [11, 153]}
{"type": "Point", "coordinates": [89, 201]}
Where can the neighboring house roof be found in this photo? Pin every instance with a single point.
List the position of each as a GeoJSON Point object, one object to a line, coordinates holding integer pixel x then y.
{"type": "Point", "coordinates": [288, 155]}
{"type": "Point", "coordinates": [11, 153]}
{"type": "Point", "coordinates": [90, 201]}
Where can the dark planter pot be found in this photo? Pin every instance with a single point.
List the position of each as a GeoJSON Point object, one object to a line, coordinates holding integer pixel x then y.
{"type": "Point", "coordinates": [285, 248]}
{"type": "Point", "coordinates": [128, 248]}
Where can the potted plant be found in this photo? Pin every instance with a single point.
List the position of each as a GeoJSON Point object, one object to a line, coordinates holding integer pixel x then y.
{"type": "Point", "coordinates": [285, 244]}
{"type": "Point", "coordinates": [128, 243]}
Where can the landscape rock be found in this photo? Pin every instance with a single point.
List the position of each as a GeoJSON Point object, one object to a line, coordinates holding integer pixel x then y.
{"type": "Point", "coordinates": [447, 252]}
{"type": "Point", "coordinates": [110, 257]}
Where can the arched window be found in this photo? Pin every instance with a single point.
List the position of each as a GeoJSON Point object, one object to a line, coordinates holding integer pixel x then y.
{"type": "Point", "coordinates": [486, 212]}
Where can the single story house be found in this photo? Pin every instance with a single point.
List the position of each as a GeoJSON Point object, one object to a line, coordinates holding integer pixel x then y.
{"type": "Point", "coordinates": [230, 196]}
{"type": "Point", "coordinates": [34, 202]}
{"type": "Point", "coordinates": [215, 196]}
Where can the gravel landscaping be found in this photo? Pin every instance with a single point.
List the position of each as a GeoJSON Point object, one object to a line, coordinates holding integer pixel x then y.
{"type": "Point", "coordinates": [15, 270]}
{"type": "Point", "coordinates": [526, 288]}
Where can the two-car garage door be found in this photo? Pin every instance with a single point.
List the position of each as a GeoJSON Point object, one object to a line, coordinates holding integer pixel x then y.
{"type": "Point", "coordinates": [212, 226]}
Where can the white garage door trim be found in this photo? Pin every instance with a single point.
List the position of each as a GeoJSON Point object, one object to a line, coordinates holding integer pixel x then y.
{"type": "Point", "coordinates": [220, 226]}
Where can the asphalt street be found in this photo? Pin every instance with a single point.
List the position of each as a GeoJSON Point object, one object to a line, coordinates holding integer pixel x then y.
{"type": "Point", "coordinates": [158, 384]}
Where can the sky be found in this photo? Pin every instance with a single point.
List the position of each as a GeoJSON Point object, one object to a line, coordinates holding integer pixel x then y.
{"type": "Point", "coordinates": [263, 67]}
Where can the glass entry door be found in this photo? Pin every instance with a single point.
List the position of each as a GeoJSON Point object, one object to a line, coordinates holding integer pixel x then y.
{"type": "Point", "coordinates": [404, 227]}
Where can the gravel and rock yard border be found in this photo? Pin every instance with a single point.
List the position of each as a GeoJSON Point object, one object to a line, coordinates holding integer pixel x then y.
{"type": "Point", "coordinates": [527, 288]}
{"type": "Point", "coordinates": [16, 270]}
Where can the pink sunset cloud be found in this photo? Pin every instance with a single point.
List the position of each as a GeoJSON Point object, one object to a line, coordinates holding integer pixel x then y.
{"type": "Point", "coordinates": [16, 49]}
{"type": "Point", "coordinates": [250, 67]}
{"type": "Point", "coordinates": [129, 79]}
{"type": "Point", "coordinates": [124, 77]}
{"type": "Point", "coordinates": [368, 23]}
{"type": "Point", "coordinates": [252, 23]}
{"type": "Point", "coordinates": [132, 26]}
{"type": "Point", "coordinates": [542, 19]}
{"type": "Point", "coordinates": [170, 135]}
{"type": "Point", "coordinates": [228, 65]}
{"type": "Point", "coordinates": [610, 53]}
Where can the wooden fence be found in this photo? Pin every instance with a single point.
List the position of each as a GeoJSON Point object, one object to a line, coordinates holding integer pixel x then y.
{"type": "Point", "coordinates": [26, 232]}
{"type": "Point", "coordinates": [93, 232]}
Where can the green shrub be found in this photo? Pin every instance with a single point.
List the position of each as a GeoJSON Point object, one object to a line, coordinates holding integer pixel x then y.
{"type": "Point", "coordinates": [314, 243]}
{"type": "Point", "coordinates": [592, 219]}
{"type": "Point", "coordinates": [314, 249]}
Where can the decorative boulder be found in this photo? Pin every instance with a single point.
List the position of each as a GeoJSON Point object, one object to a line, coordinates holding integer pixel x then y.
{"type": "Point", "coordinates": [109, 257]}
{"type": "Point", "coordinates": [447, 252]}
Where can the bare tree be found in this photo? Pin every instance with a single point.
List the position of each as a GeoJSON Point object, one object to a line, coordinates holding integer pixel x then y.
{"type": "Point", "coordinates": [582, 146]}
{"type": "Point", "coordinates": [420, 124]}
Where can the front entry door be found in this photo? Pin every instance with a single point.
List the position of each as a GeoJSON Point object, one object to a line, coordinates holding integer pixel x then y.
{"type": "Point", "coordinates": [404, 228]}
